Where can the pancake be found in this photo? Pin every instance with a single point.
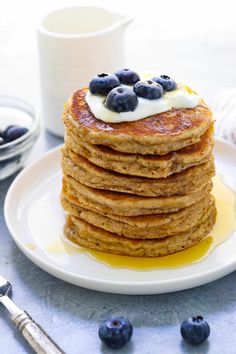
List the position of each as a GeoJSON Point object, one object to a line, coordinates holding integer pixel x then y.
{"type": "Point", "coordinates": [151, 166]}
{"type": "Point", "coordinates": [141, 221]}
{"type": "Point", "coordinates": [157, 134]}
{"type": "Point", "coordinates": [117, 203]}
{"type": "Point", "coordinates": [91, 175]}
{"type": "Point", "coordinates": [89, 236]}
{"type": "Point", "coordinates": [139, 188]}
{"type": "Point", "coordinates": [121, 228]}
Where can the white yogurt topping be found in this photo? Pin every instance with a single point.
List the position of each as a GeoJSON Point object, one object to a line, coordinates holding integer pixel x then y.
{"type": "Point", "coordinates": [182, 97]}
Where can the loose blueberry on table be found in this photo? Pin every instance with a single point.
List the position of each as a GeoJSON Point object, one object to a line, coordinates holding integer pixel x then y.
{"type": "Point", "coordinates": [121, 99]}
{"type": "Point", "coordinates": [166, 82]}
{"type": "Point", "coordinates": [127, 76]}
{"type": "Point", "coordinates": [148, 89]}
{"type": "Point", "coordinates": [103, 83]}
{"type": "Point", "coordinates": [195, 330]}
{"type": "Point", "coordinates": [115, 332]}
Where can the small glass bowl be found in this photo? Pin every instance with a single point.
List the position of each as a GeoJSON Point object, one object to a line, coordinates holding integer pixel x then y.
{"type": "Point", "coordinates": [14, 154]}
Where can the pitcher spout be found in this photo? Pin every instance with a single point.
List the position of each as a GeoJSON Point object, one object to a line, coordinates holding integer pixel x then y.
{"type": "Point", "coordinates": [126, 21]}
{"type": "Point", "coordinates": [122, 21]}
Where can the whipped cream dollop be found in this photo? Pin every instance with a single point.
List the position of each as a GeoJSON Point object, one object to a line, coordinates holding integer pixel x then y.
{"type": "Point", "coordinates": [182, 97]}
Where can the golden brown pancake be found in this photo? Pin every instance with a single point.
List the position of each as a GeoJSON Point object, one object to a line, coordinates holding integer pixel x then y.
{"type": "Point", "coordinates": [138, 188]}
{"type": "Point", "coordinates": [157, 134]}
{"type": "Point", "coordinates": [176, 226]}
{"type": "Point", "coordinates": [151, 166]}
{"type": "Point", "coordinates": [89, 236]}
{"type": "Point", "coordinates": [117, 203]}
{"type": "Point", "coordinates": [91, 175]}
{"type": "Point", "coordinates": [141, 221]}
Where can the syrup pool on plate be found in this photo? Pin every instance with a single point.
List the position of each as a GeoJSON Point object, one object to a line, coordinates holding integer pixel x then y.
{"type": "Point", "coordinates": [223, 229]}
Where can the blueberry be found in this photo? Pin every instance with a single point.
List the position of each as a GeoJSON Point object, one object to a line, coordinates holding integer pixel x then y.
{"type": "Point", "coordinates": [2, 141]}
{"type": "Point", "coordinates": [103, 83]}
{"type": "Point", "coordinates": [148, 89]}
{"type": "Point", "coordinates": [121, 99]}
{"type": "Point", "coordinates": [14, 132]}
{"type": "Point", "coordinates": [195, 330]}
{"type": "Point", "coordinates": [115, 332]}
{"type": "Point", "coordinates": [166, 82]}
{"type": "Point", "coordinates": [127, 76]}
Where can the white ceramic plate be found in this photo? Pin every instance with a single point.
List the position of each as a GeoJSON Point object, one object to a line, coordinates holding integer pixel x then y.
{"type": "Point", "coordinates": [35, 220]}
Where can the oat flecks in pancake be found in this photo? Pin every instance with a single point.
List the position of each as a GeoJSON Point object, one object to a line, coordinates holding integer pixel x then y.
{"type": "Point", "coordinates": [180, 224]}
{"type": "Point", "coordinates": [91, 175]}
{"type": "Point", "coordinates": [141, 221]}
{"type": "Point", "coordinates": [157, 134]}
{"type": "Point", "coordinates": [87, 235]}
{"type": "Point", "coordinates": [151, 166]}
{"type": "Point", "coordinates": [130, 205]}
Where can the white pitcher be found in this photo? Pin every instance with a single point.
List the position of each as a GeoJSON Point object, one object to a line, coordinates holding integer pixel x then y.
{"type": "Point", "coordinates": [76, 43]}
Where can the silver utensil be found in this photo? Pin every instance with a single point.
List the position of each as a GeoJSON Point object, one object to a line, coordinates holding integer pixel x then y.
{"type": "Point", "coordinates": [32, 332]}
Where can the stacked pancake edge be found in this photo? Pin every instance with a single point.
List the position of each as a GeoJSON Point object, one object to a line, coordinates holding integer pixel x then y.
{"type": "Point", "coordinates": [138, 188]}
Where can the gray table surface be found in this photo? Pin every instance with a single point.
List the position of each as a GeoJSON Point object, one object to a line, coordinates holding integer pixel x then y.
{"type": "Point", "coordinates": [200, 50]}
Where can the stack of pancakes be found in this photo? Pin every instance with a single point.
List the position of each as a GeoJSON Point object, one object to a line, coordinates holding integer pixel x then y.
{"type": "Point", "coordinates": [137, 188]}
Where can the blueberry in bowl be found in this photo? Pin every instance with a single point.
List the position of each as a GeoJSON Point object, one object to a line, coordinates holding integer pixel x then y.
{"type": "Point", "coordinates": [166, 82]}
{"type": "Point", "coordinates": [148, 89]}
{"type": "Point", "coordinates": [14, 132]}
{"type": "Point", "coordinates": [127, 76]}
{"type": "Point", "coordinates": [2, 141]}
{"type": "Point", "coordinates": [19, 130]}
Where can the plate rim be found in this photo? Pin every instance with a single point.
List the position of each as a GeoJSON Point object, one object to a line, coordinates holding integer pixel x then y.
{"type": "Point", "coordinates": [89, 282]}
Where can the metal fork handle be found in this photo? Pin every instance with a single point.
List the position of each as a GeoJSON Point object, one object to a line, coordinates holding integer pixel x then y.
{"type": "Point", "coordinates": [37, 338]}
